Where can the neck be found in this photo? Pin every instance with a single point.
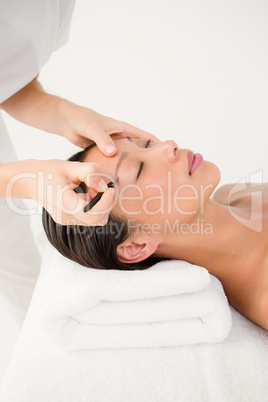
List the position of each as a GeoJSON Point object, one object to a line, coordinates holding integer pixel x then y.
{"type": "Point", "coordinates": [212, 240]}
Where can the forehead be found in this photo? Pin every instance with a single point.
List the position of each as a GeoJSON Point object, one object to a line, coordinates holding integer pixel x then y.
{"type": "Point", "coordinates": [107, 164]}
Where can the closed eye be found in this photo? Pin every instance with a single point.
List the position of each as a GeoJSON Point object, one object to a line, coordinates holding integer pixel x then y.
{"type": "Point", "coordinates": [140, 169]}
{"type": "Point", "coordinates": [142, 163]}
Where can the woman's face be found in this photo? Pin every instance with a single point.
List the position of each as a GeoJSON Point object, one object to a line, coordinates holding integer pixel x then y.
{"type": "Point", "coordinates": [155, 184]}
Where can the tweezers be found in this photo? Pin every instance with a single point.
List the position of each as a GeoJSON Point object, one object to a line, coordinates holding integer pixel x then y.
{"type": "Point", "coordinates": [98, 196]}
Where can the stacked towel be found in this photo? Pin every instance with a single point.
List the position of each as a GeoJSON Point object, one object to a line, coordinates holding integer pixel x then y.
{"type": "Point", "coordinates": [172, 303]}
{"type": "Point", "coordinates": [233, 370]}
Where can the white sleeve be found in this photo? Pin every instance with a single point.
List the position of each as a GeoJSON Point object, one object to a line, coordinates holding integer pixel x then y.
{"type": "Point", "coordinates": [30, 30]}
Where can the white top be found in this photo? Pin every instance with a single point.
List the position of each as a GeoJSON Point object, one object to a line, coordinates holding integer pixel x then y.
{"type": "Point", "coordinates": [30, 30]}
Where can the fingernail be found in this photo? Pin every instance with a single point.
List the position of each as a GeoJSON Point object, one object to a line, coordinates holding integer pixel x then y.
{"type": "Point", "coordinates": [109, 148]}
{"type": "Point", "coordinates": [113, 190]}
{"type": "Point", "coordinates": [102, 185]}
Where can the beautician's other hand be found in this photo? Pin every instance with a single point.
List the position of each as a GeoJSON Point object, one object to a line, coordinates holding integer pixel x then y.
{"type": "Point", "coordinates": [80, 125]}
{"type": "Point", "coordinates": [52, 183]}
{"type": "Point", "coordinates": [84, 126]}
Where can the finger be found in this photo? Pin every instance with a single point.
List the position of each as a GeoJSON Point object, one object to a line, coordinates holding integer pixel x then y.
{"type": "Point", "coordinates": [104, 205]}
{"type": "Point", "coordinates": [88, 173]}
{"type": "Point", "coordinates": [79, 140]}
{"type": "Point", "coordinates": [68, 204]}
{"type": "Point", "coordinates": [72, 210]}
{"type": "Point", "coordinates": [127, 130]}
{"type": "Point", "coordinates": [78, 171]}
{"type": "Point", "coordinates": [93, 220]}
{"type": "Point", "coordinates": [72, 203]}
{"type": "Point", "coordinates": [81, 219]}
{"type": "Point", "coordinates": [71, 220]}
{"type": "Point", "coordinates": [98, 215]}
{"type": "Point", "coordinates": [82, 142]}
{"type": "Point", "coordinates": [85, 196]}
{"type": "Point", "coordinates": [105, 143]}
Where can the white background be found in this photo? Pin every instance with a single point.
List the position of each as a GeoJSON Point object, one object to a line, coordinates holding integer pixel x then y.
{"type": "Point", "coordinates": [193, 71]}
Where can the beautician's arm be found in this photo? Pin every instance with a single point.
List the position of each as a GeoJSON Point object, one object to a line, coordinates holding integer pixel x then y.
{"type": "Point", "coordinates": [51, 183]}
{"type": "Point", "coordinates": [33, 106]}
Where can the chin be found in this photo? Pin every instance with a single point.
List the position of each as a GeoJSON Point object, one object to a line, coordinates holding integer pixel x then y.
{"type": "Point", "coordinates": [214, 168]}
{"type": "Point", "coordinates": [217, 174]}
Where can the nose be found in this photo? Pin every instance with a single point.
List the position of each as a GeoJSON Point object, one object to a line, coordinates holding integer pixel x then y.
{"type": "Point", "coordinates": [170, 151]}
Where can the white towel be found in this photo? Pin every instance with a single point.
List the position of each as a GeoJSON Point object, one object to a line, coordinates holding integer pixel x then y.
{"type": "Point", "coordinates": [233, 370]}
{"type": "Point", "coordinates": [172, 303]}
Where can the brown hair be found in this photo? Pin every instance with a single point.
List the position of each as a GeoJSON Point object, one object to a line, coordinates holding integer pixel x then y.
{"type": "Point", "coordinates": [92, 246]}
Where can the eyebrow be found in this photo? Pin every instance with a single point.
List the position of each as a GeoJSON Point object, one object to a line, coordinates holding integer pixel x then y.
{"type": "Point", "coordinates": [122, 157]}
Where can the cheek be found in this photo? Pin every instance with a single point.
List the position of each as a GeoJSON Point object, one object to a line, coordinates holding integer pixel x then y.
{"type": "Point", "coordinates": [146, 198]}
{"type": "Point", "coordinates": [165, 193]}
{"type": "Point", "coordinates": [134, 200]}
{"type": "Point", "coordinates": [128, 174]}
{"type": "Point", "coordinates": [130, 200]}
{"type": "Point", "coordinates": [157, 191]}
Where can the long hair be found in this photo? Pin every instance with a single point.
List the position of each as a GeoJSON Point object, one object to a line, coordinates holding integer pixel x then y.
{"type": "Point", "coordinates": [92, 246]}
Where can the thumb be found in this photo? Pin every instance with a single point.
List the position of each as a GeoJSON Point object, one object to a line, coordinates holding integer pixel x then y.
{"type": "Point", "coordinates": [105, 144]}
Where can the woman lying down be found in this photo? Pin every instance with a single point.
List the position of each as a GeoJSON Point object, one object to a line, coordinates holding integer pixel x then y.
{"type": "Point", "coordinates": [163, 209]}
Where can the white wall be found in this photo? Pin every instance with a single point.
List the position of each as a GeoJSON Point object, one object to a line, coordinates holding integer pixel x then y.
{"type": "Point", "coordinates": [194, 71]}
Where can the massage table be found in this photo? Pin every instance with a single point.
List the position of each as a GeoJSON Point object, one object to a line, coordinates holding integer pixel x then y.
{"type": "Point", "coordinates": [235, 369]}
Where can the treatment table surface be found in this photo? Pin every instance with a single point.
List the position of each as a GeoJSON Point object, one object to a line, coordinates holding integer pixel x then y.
{"type": "Point", "coordinates": [233, 370]}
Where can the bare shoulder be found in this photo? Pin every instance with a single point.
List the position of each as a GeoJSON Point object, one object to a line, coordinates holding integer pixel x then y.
{"type": "Point", "coordinates": [264, 311]}
{"type": "Point", "coordinates": [234, 191]}
{"type": "Point", "coordinates": [257, 310]}
{"type": "Point", "coordinates": [251, 300]}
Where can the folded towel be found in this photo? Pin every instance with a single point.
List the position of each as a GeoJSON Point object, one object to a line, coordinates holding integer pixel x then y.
{"type": "Point", "coordinates": [233, 370]}
{"type": "Point", "coordinates": [172, 303]}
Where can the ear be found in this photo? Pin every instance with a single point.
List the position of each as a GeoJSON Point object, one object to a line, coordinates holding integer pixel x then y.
{"type": "Point", "coordinates": [136, 250]}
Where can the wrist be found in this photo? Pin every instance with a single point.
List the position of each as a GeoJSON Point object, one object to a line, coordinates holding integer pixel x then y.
{"type": "Point", "coordinates": [19, 179]}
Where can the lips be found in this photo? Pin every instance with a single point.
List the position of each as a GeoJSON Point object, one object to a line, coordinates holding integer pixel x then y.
{"type": "Point", "coordinates": [194, 161]}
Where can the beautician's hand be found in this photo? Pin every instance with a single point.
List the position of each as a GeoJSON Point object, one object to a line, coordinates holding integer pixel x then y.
{"type": "Point", "coordinates": [84, 126]}
{"type": "Point", "coordinates": [52, 184]}
{"type": "Point", "coordinates": [81, 126]}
